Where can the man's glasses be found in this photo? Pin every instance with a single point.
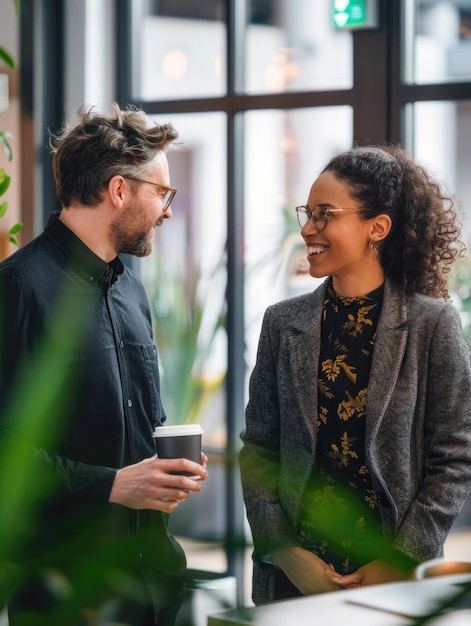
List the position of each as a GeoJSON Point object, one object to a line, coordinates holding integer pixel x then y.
{"type": "Point", "coordinates": [167, 194]}
{"type": "Point", "coordinates": [319, 215]}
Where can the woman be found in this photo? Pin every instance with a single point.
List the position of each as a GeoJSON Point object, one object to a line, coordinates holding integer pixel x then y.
{"type": "Point", "coordinates": [357, 446]}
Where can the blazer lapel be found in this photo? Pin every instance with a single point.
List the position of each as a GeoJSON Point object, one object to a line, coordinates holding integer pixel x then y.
{"type": "Point", "coordinates": [304, 350]}
{"type": "Point", "coordinates": [389, 350]}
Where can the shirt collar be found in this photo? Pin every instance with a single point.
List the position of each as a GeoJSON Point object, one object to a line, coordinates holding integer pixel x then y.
{"type": "Point", "coordinates": [93, 269]}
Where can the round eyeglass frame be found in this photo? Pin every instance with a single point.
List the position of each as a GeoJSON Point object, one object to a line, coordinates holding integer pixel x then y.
{"type": "Point", "coordinates": [304, 214]}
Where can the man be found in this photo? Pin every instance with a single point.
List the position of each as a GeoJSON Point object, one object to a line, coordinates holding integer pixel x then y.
{"type": "Point", "coordinates": [96, 548]}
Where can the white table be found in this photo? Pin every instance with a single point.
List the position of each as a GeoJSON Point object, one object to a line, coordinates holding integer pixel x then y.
{"type": "Point", "coordinates": [393, 604]}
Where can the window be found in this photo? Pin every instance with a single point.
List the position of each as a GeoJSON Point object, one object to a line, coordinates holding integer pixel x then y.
{"type": "Point", "coordinates": [186, 278]}
{"type": "Point", "coordinates": [438, 41]}
{"type": "Point", "coordinates": [182, 50]}
{"type": "Point", "coordinates": [285, 150]}
{"type": "Point", "coordinates": [289, 47]}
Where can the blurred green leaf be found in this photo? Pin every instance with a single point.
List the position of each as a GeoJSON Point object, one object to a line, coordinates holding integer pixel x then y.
{"type": "Point", "coordinates": [3, 208]}
{"type": "Point", "coordinates": [15, 228]}
{"type": "Point", "coordinates": [5, 137]}
{"type": "Point", "coordinates": [6, 57]}
{"type": "Point", "coordinates": [4, 181]}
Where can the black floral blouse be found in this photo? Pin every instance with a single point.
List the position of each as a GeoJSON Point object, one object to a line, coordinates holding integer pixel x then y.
{"type": "Point", "coordinates": [339, 516]}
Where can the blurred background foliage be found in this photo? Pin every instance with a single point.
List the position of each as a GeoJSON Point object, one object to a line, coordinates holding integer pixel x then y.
{"type": "Point", "coordinates": [188, 322]}
{"type": "Point", "coordinates": [42, 394]}
{"type": "Point", "coordinates": [5, 137]}
{"type": "Point", "coordinates": [461, 295]}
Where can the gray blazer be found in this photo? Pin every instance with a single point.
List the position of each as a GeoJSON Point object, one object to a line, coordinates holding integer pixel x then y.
{"type": "Point", "coordinates": [418, 424]}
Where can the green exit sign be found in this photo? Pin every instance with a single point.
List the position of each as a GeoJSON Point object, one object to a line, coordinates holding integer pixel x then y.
{"type": "Point", "coordinates": [355, 14]}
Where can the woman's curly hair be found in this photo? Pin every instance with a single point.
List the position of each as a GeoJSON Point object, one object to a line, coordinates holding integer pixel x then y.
{"type": "Point", "coordinates": [88, 153]}
{"type": "Point", "coordinates": [424, 239]}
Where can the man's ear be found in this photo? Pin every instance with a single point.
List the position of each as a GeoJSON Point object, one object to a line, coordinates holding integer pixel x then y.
{"type": "Point", "coordinates": [380, 227]}
{"type": "Point", "coordinates": [117, 190]}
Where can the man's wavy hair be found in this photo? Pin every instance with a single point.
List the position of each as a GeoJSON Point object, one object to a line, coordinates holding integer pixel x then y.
{"type": "Point", "coordinates": [88, 153]}
{"type": "Point", "coordinates": [424, 240]}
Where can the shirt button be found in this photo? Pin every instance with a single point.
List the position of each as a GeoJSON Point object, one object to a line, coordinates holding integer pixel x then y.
{"type": "Point", "coordinates": [129, 403]}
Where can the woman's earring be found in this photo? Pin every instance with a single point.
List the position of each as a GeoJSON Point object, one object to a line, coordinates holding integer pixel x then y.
{"type": "Point", "coordinates": [374, 246]}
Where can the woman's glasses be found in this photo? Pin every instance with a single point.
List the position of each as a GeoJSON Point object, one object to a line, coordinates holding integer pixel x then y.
{"type": "Point", "coordinates": [319, 215]}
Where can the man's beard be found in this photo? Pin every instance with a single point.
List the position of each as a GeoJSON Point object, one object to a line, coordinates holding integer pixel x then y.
{"type": "Point", "coordinates": [126, 239]}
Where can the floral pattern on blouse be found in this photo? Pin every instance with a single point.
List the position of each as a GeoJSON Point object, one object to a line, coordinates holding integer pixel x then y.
{"type": "Point", "coordinates": [339, 518]}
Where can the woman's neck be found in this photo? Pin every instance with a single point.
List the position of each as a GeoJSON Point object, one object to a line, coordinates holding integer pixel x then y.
{"type": "Point", "coordinates": [358, 285]}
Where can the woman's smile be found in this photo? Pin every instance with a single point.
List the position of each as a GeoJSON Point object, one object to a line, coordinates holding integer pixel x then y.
{"type": "Point", "coordinates": [313, 250]}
